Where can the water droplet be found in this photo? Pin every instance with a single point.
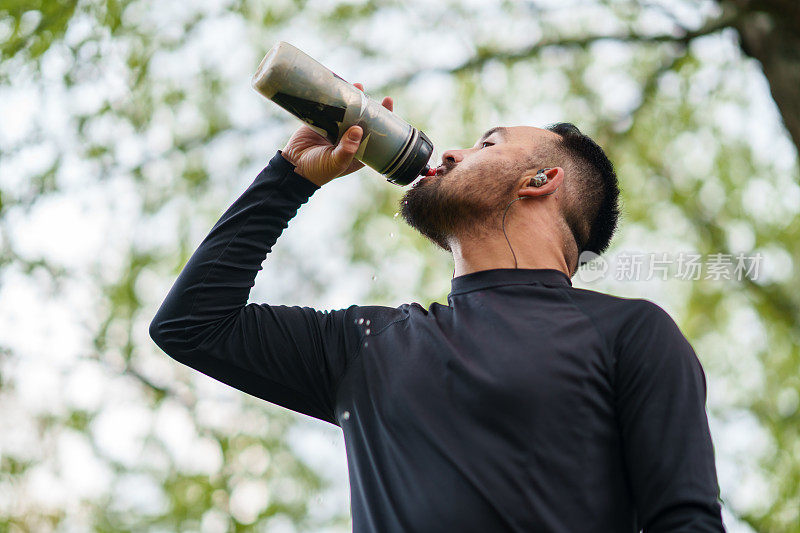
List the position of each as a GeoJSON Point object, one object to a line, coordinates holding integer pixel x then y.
{"type": "Point", "coordinates": [367, 331]}
{"type": "Point", "coordinates": [366, 344]}
{"type": "Point", "coordinates": [374, 278]}
{"type": "Point", "coordinates": [396, 215]}
{"type": "Point", "coordinates": [391, 235]}
{"type": "Point", "coordinates": [405, 202]}
{"type": "Point", "coordinates": [346, 415]}
{"type": "Point", "coordinates": [367, 322]}
{"type": "Point", "coordinates": [360, 320]}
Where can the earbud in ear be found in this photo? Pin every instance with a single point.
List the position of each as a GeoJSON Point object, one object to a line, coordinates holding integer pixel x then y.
{"type": "Point", "coordinates": [539, 179]}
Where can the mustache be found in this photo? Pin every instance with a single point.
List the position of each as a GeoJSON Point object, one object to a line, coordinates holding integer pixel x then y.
{"type": "Point", "coordinates": [445, 168]}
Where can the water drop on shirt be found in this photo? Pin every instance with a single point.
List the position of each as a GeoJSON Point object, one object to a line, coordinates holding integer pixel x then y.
{"type": "Point", "coordinates": [360, 320]}
{"type": "Point", "coordinates": [366, 344]}
{"type": "Point", "coordinates": [391, 235]}
{"type": "Point", "coordinates": [346, 415]}
{"type": "Point", "coordinates": [367, 322]}
{"type": "Point", "coordinates": [396, 215]}
{"type": "Point", "coordinates": [374, 278]}
{"type": "Point", "coordinates": [367, 331]}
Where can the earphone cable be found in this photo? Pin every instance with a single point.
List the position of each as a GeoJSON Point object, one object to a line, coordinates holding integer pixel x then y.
{"type": "Point", "coordinates": [503, 224]}
{"type": "Point", "coordinates": [504, 227]}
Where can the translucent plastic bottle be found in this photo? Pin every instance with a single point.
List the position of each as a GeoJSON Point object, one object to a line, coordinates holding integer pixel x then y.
{"type": "Point", "coordinates": [330, 105]}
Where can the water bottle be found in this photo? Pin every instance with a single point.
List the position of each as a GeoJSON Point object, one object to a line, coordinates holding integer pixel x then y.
{"type": "Point", "coordinates": [330, 105]}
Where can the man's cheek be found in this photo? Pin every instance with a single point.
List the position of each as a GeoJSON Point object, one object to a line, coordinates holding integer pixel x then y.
{"type": "Point", "coordinates": [459, 184]}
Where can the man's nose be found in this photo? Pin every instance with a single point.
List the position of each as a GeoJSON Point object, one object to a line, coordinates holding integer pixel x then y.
{"type": "Point", "coordinates": [451, 157]}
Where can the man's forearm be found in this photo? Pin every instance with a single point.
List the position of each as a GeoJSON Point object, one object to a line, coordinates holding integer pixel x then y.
{"type": "Point", "coordinates": [215, 283]}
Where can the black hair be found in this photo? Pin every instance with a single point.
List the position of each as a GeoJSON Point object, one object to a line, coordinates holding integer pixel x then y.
{"type": "Point", "coordinates": [595, 193]}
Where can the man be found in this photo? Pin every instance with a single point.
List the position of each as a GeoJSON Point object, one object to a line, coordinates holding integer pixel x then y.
{"type": "Point", "coordinates": [523, 405]}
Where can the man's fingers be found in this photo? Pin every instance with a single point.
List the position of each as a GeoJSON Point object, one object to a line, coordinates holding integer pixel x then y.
{"type": "Point", "coordinates": [388, 103]}
{"type": "Point", "coordinates": [343, 153]}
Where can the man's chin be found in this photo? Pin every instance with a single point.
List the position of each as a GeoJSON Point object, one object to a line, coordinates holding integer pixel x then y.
{"type": "Point", "coordinates": [422, 209]}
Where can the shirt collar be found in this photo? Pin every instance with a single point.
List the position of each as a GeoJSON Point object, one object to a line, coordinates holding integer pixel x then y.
{"type": "Point", "coordinates": [485, 279]}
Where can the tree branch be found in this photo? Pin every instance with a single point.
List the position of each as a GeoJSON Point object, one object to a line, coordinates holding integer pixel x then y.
{"type": "Point", "coordinates": [771, 295]}
{"type": "Point", "coordinates": [726, 20]}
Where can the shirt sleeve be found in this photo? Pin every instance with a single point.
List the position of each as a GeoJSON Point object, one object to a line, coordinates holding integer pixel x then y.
{"type": "Point", "coordinates": [661, 394]}
{"type": "Point", "coordinates": [290, 356]}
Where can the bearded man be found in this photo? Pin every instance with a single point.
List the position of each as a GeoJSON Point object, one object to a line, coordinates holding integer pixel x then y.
{"type": "Point", "coordinates": [525, 404]}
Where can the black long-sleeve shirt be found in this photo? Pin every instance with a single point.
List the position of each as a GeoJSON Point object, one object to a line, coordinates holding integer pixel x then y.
{"type": "Point", "coordinates": [523, 405]}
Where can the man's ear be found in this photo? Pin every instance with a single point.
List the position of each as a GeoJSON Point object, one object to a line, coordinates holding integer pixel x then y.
{"type": "Point", "coordinates": [555, 177]}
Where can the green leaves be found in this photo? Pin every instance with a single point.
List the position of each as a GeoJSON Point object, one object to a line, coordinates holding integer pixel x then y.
{"type": "Point", "coordinates": [35, 25]}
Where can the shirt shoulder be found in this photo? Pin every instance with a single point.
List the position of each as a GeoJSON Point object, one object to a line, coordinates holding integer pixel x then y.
{"type": "Point", "coordinates": [642, 340]}
{"type": "Point", "coordinates": [372, 320]}
{"type": "Point", "coordinates": [376, 317]}
{"type": "Point", "coordinates": [618, 318]}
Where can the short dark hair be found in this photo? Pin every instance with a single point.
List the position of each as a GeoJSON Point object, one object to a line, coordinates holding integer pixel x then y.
{"type": "Point", "coordinates": [595, 193]}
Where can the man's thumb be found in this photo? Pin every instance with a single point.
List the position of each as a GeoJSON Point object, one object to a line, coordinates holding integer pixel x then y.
{"type": "Point", "coordinates": [348, 146]}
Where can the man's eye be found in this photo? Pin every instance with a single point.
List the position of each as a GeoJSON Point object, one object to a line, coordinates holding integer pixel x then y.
{"type": "Point", "coordinates": [484, 144]}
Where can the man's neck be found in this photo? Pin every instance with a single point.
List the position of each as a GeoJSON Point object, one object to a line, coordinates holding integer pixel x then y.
{"type": "Point", "coordinates": [533, 249]}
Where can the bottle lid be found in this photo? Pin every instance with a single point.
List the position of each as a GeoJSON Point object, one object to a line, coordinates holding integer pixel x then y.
{"type": "Point", "coordinates": [427, 171]}
{"type": "Point", "coordinates": [414, 160]}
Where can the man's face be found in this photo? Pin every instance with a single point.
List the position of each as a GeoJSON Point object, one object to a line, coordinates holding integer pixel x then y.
{"type": "Point", "coordinates": [473, 186]}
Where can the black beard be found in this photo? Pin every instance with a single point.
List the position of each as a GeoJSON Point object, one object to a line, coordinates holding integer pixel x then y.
{"type": "Point", "coordinates": [439, 213]}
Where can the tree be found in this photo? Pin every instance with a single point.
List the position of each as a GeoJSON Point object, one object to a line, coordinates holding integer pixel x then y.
{"type": "Point", "coordinates": [769, 31]}
{"type": "Point", "coordinates": [144, 115]}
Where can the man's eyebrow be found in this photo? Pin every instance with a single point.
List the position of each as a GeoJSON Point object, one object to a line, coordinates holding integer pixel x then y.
{"type": "Point", "coordinates": [499, 129]}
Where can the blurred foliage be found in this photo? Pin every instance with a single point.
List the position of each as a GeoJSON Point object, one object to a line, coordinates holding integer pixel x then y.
{"type": "Point", "coordinates": [140, 111]}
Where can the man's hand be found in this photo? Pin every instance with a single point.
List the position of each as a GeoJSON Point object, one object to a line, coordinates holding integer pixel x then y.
{"type": "Point", "coordinates": [318, 160]}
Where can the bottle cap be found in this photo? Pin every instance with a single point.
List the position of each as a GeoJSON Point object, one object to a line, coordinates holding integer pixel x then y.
{"type": "Point", "coordinates": [414, 161]}
{"type": "Point", "coordinates": [428, 171]}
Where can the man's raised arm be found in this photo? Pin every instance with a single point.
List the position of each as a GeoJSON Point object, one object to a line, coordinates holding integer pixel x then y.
{"type": "Point", "coordinates": [290, 356]}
